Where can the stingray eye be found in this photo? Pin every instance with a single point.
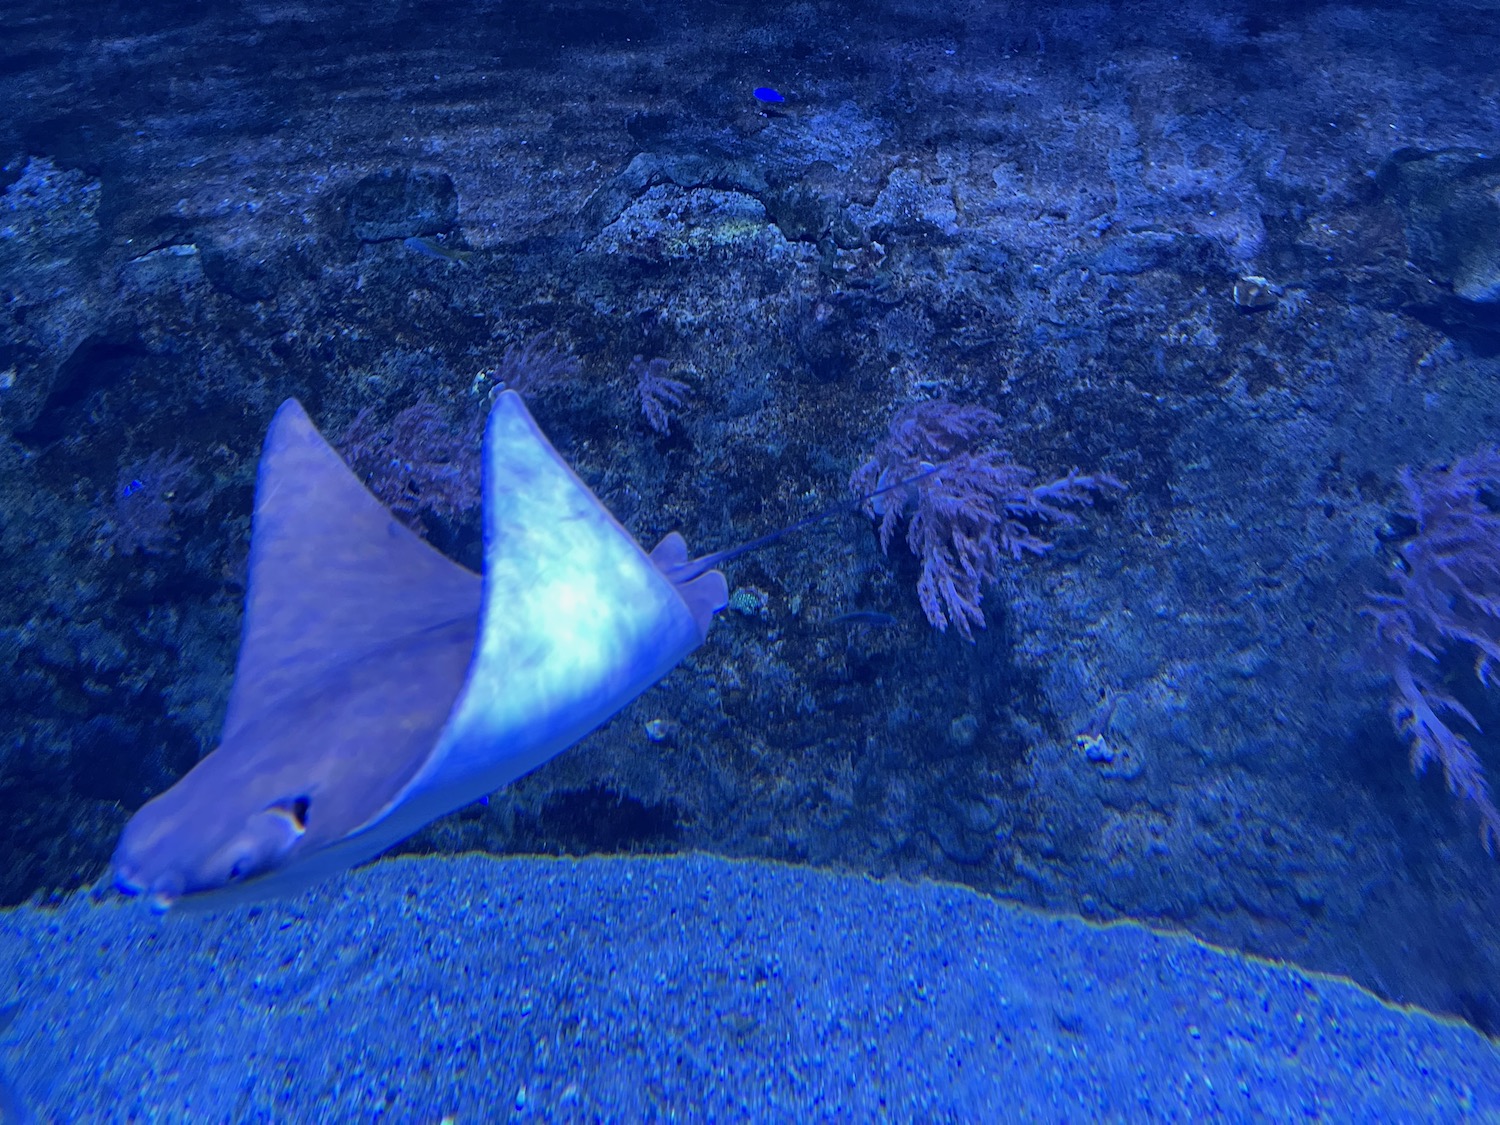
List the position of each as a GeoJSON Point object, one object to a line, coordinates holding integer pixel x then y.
{"type": "Point", "coordinates": [240, 868]}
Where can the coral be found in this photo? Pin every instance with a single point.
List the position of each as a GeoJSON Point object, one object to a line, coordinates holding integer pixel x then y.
{"type": "Point", "coordinates": [661, 395]}
{"type": "Point", "coordinates": [534, 365]}
{"type": "Point", "coordinates": [967, 505]}
{"type": "Point", "coordinates": [424, 460]}
{"type": "Point", "coordinates": [147, 495]}
{"type": "Point", "coordinates": [419, 462]}
{"type": "Point", "coordinates": [1447, 599]}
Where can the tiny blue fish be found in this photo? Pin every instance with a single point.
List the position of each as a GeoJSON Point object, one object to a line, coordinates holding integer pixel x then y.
{"type": "Point", "coordinates": [431, 248]}
{"type": "Point", "coordinates": [132, 488]}
{"type": "Point", "coordinates": [767, 94]}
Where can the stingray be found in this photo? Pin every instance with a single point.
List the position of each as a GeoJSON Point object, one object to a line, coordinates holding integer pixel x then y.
{"type": "Point", "coordinates": [381, 685]}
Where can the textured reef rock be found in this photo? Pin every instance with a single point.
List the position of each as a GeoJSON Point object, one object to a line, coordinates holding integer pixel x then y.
{"type": "Point", "coordinates": [1450, 207]}
{"type": "Point", "coordinates": [49, 272]}
{"type": "Point", "coordinates": [1044, 210]}
{"type": "Point", "coordinates": [402, 203]}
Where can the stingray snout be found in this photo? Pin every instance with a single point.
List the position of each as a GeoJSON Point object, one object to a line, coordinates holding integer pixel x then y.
{"type": "Point", "coordinates": [163, 891]}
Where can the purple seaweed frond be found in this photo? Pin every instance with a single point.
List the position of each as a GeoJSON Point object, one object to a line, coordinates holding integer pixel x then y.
{"type": "Point", "coordinates": [661, 396]}
{"type": "Point", "coordinates": [975, 507]}
{"type": "Point", "coordinates": [420, 462]}
{"type": "Point", "coordinates": [1446, 599]}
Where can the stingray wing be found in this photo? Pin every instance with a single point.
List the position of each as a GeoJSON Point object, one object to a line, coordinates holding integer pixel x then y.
{"type": "Point", "coordinates": [333, 575]}
{"type": "Point", "coordinates": [347, 728]}
{"type": "Point", "coordinates": [577, 621]}
{"type": "Point", "coordinates": [356, 639]}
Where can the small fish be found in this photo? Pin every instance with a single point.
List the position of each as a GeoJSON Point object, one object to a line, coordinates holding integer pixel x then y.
{"type": "Point", "coordinates": [864, 617]}
{"type": "Point", "coordinates": [431, 248]}
{"type": "Point", "coordinates": [132, 488]}
{"type": "Point", "coordinates": [769, 95]}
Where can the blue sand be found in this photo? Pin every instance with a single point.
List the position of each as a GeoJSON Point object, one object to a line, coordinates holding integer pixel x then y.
{"type": "Point", "coordinates": [642, 989]}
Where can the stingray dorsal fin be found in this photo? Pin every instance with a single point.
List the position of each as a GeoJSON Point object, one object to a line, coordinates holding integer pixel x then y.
{"type": "Point", "coordinates": [332, 575]}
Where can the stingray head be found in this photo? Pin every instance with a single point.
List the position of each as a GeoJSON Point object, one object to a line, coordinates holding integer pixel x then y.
{"type": "Point", "coordinates": [177, 846]}
{"type": "Point", "coordinates": [306, 773]}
